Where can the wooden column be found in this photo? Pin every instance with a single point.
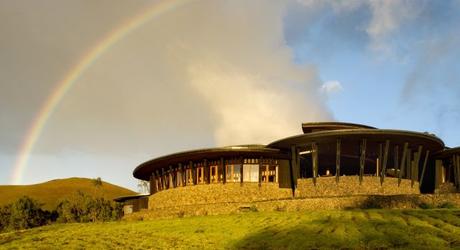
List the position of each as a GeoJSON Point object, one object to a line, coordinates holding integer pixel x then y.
{"type": "Point", "coordinates": [407, 170]}
{"type": "Point", "coordinates": [206, 172]}
{"type": "Point", "coordinates": [337, 162]}
{"type": "Point", "coordinates": [396, 158]}
{"type": "Point", "coordinates": [403, 162]}
{"type": "Point", "coordinates": [378, 163]}
{"type": "Point", "coordinates": [260, 171]}
{"type": "Point", "coordinates": [458, 171]}
{"type": "Point", "coordinates": [414, 172]}
{"type": "Point", "coordinates": [292, 166]}
{"type": "Point", "coordinates": [424, 167]}
{"type": "Point", "coordinates": [314, 154]}
{"type": "Point", "coordinates": [384, 162]}
{"type": "Point", "coordinates": [241, 170]}
{"type": "Point", "coordinates": [171, 177]}
{"type": "Point", "coordinates": [362, 160]}
{"type": "Point", "coordinates": [224, 170]}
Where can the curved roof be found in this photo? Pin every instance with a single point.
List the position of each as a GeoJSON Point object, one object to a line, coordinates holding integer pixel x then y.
{"type": "Point", "coordinates": [145, 170]}
{"type": "Point", "coordinates": [448, 152]}
{"type": "Point", "coordinates": [310, 127]}
{"type": "Point", "coordinates": [130, 197]}
{"type": "Point", "coordinates": [433, 143]}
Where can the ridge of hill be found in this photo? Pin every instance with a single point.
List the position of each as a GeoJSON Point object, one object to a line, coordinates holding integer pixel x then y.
{"type": "Point", "coordinates": [50, 193]}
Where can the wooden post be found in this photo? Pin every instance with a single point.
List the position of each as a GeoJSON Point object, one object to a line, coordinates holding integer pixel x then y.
{"type": "Point", "coordinates": [396, 158]}
{"type": "Point", "coordinates": [292, 164]}
{"type": "Point", "coordinates": [408, 164]}
{"type": "Point", "coordinates": [384, 162]}
{"type": "Point", "coordinates": [362, 160]}
{"type": "Point", "coordinates": [424, 167]}
{"type": "Point", "coordinates": [337, 162]}
{"type": "Point", "coordinates": [458, 171]}
{"type": "Point", "coordinates": [414, 173]}
{"type": "Point", "coordinates": [206, 172]}
{"type": "Point", "coordinates": [171, 177]}
{"type": "Point", "coordinates": [241, 170]}
{"type": "Point", "coordinates": [403, 161]}
{"type": "Point", "coordinates": [224, 170]}
{"type": "Point", "coordinates": [260, 171]}
{"type": "Point", "coordinates": [378, 164]}
{"type": "Point", "coordinates": [314, 157]}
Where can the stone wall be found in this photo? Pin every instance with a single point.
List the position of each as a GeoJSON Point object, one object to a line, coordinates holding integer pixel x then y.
{"type": "Point", "coordinates": [349, 185]}
{"type": "Point", "coordinates": [218, 194]}
{"type": "Point", "coordinates": [301, 204]}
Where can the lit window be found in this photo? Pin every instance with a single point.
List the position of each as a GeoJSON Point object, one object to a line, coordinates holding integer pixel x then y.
{"type": "Point", "coordinates": [251, 172]}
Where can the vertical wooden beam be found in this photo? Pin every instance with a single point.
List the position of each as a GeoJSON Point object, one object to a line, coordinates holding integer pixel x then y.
{"type": "Point", "coordinates": [337, 162]}
{"type": "Point", "coordinates": [314, 154]}
{"type": "Point", "coordinates": [458, 171]}
{"type": "Point", "coordinates": [292, 164]}
{"type": "Point", "coordinates": [414, 173]}
{"type": "Point", "coordinates": [241, 160]}
{"type": "Point", "coordinates": [403, 161]}
{"type": "Point", "coordinates": [407, 170]}
{"type": "Point", "coordinates": [378, 164]}
{"type": "Point", "coordinates": [206, 172]}
{"type": "Point", "coordinates": [424, 167]}
{"type": "Point", "coordinates": [362, 160]}
{"type": "Point", "coordinates": [171, 177]}
{"type": "Point", "coordinates": [260, 171]}
{"type": "Point", "coordinates": [384, 162]}
{"type": "Point", "coordinates": [224, 170]}
{"type": "Point", "coordinates": [396, 158]}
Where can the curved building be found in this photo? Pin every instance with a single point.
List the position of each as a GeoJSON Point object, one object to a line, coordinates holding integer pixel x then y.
{"type": "Point", "coordinates": [318, 162]}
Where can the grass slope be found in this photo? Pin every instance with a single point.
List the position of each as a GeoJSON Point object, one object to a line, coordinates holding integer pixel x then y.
{"type": "Point", "coordinates": [413, 229]}
{"type": "Point", "coordinates": [51, 192]}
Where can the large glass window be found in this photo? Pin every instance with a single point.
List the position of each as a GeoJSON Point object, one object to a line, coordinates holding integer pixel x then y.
{"type": "Point", "coordinates": [251, 172]}
{"type": "Point", "coordinates": [233, 172]}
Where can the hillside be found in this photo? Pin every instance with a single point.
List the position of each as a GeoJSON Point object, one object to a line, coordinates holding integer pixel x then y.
{"type": "Point", "coordinates": [353, 229]}
{"type": "Point", "coordinates": [51, 192]}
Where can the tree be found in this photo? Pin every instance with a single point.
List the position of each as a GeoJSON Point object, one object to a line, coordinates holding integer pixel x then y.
{"type": "Point", "coordinates": [27, 213]}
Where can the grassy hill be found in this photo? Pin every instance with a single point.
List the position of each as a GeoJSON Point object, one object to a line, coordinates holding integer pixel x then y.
{"type": "Point", "coordinates": [51, 192]}
{"type": "Point", "coordinates": [355, 229]}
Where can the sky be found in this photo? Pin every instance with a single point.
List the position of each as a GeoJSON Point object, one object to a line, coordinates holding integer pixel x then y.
{"type": "Point", "coordinates": [215, 73]}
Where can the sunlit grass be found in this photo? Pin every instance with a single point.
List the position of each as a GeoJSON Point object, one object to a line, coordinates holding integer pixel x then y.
{"type": "Point", "coordinates": [426, 229]}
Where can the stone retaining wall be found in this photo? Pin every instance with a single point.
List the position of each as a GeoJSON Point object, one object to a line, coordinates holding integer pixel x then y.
{"type": "Point", "coordinates": [302, 204]}
{"type": "Point", "coordinates": [349, 185]}
{"type": "Point", "coordinates": [218, 193]}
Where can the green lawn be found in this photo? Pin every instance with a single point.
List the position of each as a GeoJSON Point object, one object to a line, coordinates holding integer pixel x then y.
{"type": "Point", "coordinates": [429, 229]}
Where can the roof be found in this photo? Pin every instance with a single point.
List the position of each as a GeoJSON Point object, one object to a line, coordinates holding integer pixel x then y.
{"type": "Point", "coordinates": [373, 136]}
{"type": "Point", "coordinates": [310, 127]}
{"type": "Point", "coordinates": [448, 152]}
{"type": "Point", "coordinates": [130, 197]}
{"type": "Point", "coordinates": [144, 170]}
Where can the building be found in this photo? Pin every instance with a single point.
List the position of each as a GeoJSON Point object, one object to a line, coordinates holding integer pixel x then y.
{"type": "Point", "coordinates": [376, 161]}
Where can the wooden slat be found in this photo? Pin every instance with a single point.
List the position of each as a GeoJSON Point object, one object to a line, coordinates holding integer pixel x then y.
{"type": "Point", "coordinates": [337, 162]}
{"type": "Point", "coordinates": [414, 173]}
{"type": "Point", "coordinates": [427, 154]}
{"type": "Point", "coordinates": [385, 161]}
{"type": "Point", "coordinates": [403, 161]}
{"type": "Point", "coordinates": [362, 160]}
{"type": "Point", "coordinates": [314, 154]}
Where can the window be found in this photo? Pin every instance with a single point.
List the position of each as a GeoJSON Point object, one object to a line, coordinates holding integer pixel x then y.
{"type": "Point", "coordinates": [214, 173]}
{"type": "Point", "coordinates": [251, 172]}
{"type": "Point", "coordinates": [233, 172]}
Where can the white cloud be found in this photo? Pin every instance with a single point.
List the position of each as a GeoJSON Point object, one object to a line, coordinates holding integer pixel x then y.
{"type": "Point", "coordinates": [331, 87]}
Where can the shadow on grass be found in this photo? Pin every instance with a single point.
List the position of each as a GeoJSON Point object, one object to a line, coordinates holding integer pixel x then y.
{"type": "Point", "coordinates": [359, 230]}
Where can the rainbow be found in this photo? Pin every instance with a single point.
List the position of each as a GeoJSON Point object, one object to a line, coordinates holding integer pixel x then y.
{"type": "Point", "coordinates": [74, 74]}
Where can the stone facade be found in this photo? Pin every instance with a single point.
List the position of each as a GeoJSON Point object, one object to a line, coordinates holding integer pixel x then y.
{"type": "Point", "coordinates": [349, 185]}
{"type": "Point", "coordinates": [229, 198]}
